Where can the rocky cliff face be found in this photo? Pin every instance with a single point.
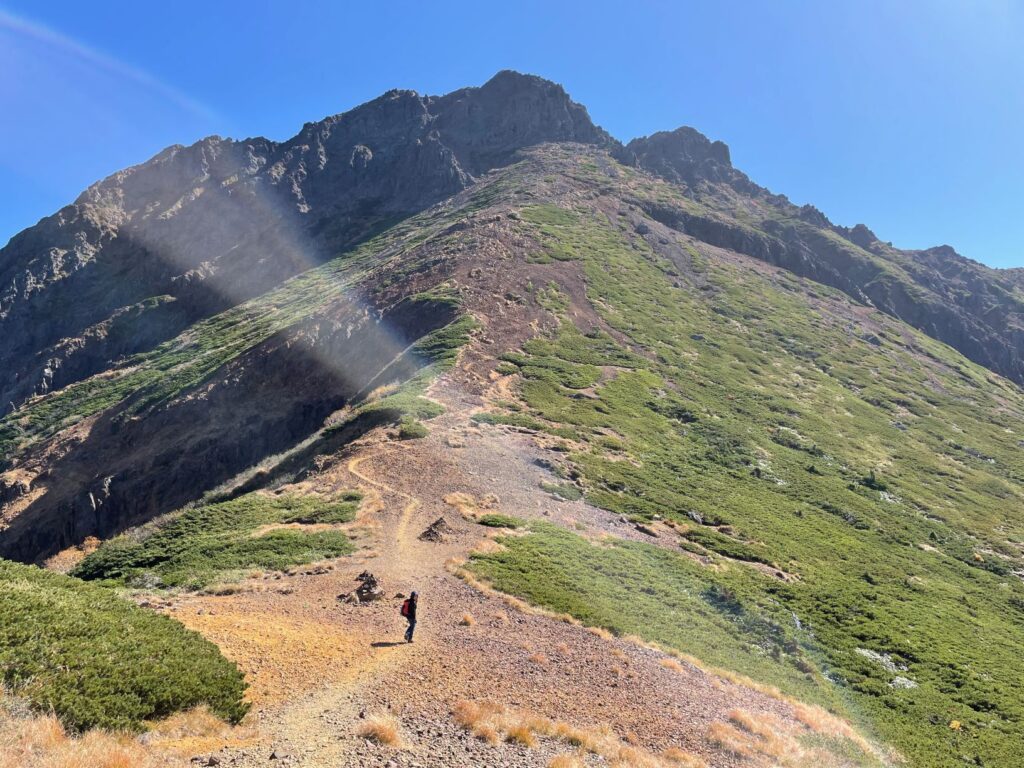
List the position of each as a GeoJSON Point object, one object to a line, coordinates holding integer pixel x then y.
{"type": "Point", "coordinates": [148, 251]}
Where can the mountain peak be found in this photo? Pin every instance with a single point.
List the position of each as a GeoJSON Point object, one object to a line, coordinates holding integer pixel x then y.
{"type": "Point", "coordinates": [511, 111]}
{"type": "Point", "coordinates": [685, 156]}
{"type": "Point", "coordinates": [687, 144]}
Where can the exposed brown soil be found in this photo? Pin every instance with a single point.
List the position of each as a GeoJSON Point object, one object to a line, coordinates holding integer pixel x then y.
{"type": "Point", "coordinates": [317, 667]}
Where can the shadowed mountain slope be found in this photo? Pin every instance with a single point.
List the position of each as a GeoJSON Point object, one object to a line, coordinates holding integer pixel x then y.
{"type": "Point", "coordinates": [148, 251]}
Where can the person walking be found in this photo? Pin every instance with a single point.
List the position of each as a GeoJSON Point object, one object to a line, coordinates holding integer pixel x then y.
{"type": "Point", "coordinates": [409, 612]}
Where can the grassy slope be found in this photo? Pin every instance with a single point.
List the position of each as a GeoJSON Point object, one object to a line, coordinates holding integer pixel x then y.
{"type": "Point", "coordinates": [219, 541]}
{"type": "Point", "coordinates": [150, 379]}
{"type": "Point", "coordinates": [879, 466]}
{"type": "Point", "coordinates": [215, 541]}
{"type": "Point", "coordinates": [97, 660]}
{"type": "Point", "coordinates": [874, 463]}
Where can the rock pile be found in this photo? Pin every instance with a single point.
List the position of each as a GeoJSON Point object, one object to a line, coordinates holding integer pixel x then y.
{"type": "Point", "coordinates": [436, 531]}
{"type": "Point", "coordinates": [369, 589]}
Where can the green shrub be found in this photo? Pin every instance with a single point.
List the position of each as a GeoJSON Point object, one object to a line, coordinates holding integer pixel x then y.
{"type": "Point", "coordinates": [741, 400]}
{"type": "Point", "coordinates": [635, 588]}
{"type": "Point", "coordinates": [99, 661]}
{"type": "Point", "coordinates": [711, 539]}
{"type": "Point", "coordinates": [566, 491]}
{"type": "Point", "coordinates": [495, 520]}
{"type": "Point", "coordinates": [410, 429]}
{"type": "Point", "coordinates": [214, 541]}
{"type": "Point", "coordinates": [310, 511]}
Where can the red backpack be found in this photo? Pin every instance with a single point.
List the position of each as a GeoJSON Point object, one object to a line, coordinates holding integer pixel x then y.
{"type": "Point", "coordinates": [405, 608]}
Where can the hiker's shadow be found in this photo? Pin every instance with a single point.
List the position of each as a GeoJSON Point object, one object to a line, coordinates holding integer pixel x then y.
{"type": "Point", "coordinates": [386, 644]}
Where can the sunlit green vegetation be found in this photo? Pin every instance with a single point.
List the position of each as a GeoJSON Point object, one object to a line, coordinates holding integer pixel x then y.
{"type": "Point", "coordinates": [153, 378]}
{"type": "Point", "coordinates": [776, 423]}
{"type": "Point", "coordinates": [219, 541]}
{"type": "Point", "coordinates": [497, 520]}
{"type": "Point", "coordinates": [633, 588]}
{"type": "Point", "coordinates": [411, 429]}
{"type": "Point", "coordinates": [98, 660]}
{"type": "Point", "coordinates": [408, 405]}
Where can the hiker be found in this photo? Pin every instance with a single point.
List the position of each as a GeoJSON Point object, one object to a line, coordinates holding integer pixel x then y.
{"type": "Point", "coordinates": [409, 612]}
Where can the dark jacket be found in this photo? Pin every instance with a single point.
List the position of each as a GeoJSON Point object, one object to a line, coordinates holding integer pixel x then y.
{"type": "Point", "coordinates": [412, 610]}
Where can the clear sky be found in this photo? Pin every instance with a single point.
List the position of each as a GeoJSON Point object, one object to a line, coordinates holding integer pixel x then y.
{"type": "Point", "coordinates": [906, 115]}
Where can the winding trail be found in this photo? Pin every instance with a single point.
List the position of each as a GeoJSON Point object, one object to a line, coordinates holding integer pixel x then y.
{"type": "Point", "coordinates": [317, 666]}
{"type": "Point", "coordinates": [413, 503]}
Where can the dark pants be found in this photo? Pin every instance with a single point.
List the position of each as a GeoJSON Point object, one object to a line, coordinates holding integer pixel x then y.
{"type": "Point", "coordinates": [410, 630]}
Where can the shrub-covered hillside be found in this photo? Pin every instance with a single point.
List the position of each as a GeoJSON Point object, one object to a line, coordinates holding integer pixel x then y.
{"type": "Point", "coordinates": [97, 660]}
{"type": "Point", "coordinates": [219, 541]}
{"type": "Point", "coordinates": [851, 485]}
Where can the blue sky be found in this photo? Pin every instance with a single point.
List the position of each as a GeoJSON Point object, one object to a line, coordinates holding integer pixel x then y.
{"type": "Point", "coordinates": [906, 115]}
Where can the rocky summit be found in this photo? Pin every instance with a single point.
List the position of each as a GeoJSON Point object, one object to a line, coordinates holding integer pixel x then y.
{"type": "Point", "coordinates": [685, 474]}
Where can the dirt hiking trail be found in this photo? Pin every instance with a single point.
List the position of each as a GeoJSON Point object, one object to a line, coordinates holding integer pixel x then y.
{"type": "Point", "coordinates": [319, 669]}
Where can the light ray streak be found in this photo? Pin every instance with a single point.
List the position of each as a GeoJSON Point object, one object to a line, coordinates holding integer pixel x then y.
{"type": "Point", "coordinates": [50, 37]}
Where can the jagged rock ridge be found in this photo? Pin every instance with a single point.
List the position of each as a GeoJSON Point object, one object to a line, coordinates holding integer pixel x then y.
{"type": "Point", "coordinates": [151, 249]}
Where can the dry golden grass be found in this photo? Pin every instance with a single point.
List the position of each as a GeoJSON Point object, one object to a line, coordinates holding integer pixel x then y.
{"type": "Point", "coordinates": [68, 558]}
{"type": "Point", "coordinates": [476, 718]}
{"type": "Point", "coordinates": [729, 739]}
{"type": "Point", "coordinates": [670, 663]}
{"type": "Point", "coordinates": [381, 729]}
{"type": "Point", "coordinates": [771, 736]}
{"type": "Point", "coordinates": [467, 620]}
{"type": "Point", "coordinates": [757, 725]}
{"type": "Point", "coordinates": [563, 648]}
{"type": "Point", "coordinates": [620, 654]}
{"type": "Point", "coordinates": [565, 761]}
{"type": "Point", "coordinates": [521, 734]}
{"type": "Point", "coordinates": [490, 721]}
{"type": "Point", "coordinates": [604, 634]}
{"type": "Point", "coordinates": [677, 756]}
{"type": "Point", "coordinates": [487, 547]}
{"type": "Point", "coordinates": [41, 742]}
{"type": "Point", "coordinates": [198, 722]}
{"type": "Point", "coordinates": [382, 391]}
{"type": "Point", "coordinates": [488, 734]}
{"type": "Point", "coordinates": [538, 658]}
{"type": "Point", "coordinates": [464, 503]}
{"type": "Point", "coordinates": [769, 740]}
{"type": "Point", "coordinates": [827, 724]}
{"type": "Point", "coordinates": [198, 730]}
{"type": "Point", "coordinates": [223, 589]}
